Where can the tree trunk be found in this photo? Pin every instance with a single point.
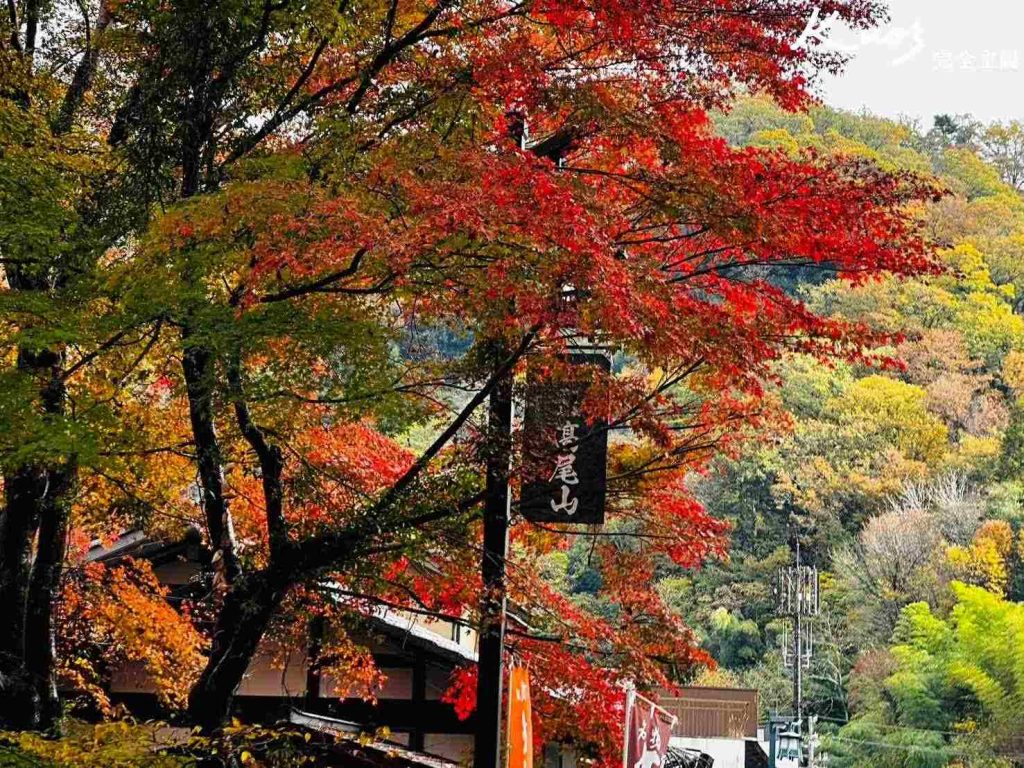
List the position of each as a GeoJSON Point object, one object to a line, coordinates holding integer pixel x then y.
{"type": "Point", "coordinates": [37, 500]}
{"type": "Point", "coordinates": [43, 592]}
{"type": "Point", "coordinates": [81, 82]}
{"type": "Point", "coordinates": [37, 496]}
{"type": "Point", "coordinates": [198, 366]}
{"type": "Point", "coordinates": [243, 620]}
{"type": "Point", "coordinates": [18, 524]}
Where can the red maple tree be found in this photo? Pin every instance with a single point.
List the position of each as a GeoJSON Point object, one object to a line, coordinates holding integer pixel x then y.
{"type": "Point", "coordinates": [517, 173]}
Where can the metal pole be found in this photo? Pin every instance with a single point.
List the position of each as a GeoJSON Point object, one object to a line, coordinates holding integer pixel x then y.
{"type": "Point", "coordinates": [798, 662]}
{"type": "Point", "coordinates": [811, 762]}
{"type": "Point", "coordinates": [630, 703]}
{"type": "Point", "coordinates": [491, 645]}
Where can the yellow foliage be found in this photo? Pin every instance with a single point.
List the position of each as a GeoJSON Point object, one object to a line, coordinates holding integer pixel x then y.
{"type": "Point", "coordinates": [776, 138]}
{"type": "Point", "coordinates": [897, 412]}
{"type": "Point", "coordinates": [118, 744]}
{"type": "Point", "coordinates": [974, 452]}
{"type": "Point", "coordinates": [986, 561]}
{"type": "Point", "coordinates": [1013, 371]}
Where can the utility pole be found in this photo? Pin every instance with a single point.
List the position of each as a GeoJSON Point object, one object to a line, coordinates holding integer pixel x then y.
{"type": "Point", "coordinates": [491, 643]}
{"type": "Point", "coordinates": [497, 498]}
{"type": "Point", "coordinates": [796, 598]}
{"type": "Point", "coordinates": [812, 741]}
{"type": "Point", "coordinates": [798, 667]}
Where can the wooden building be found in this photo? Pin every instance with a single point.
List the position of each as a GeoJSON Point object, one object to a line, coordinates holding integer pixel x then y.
{"type": "Point", "coordinates": [415, 653]}
{"type": "Point", "coordinates": [719, 724]}
{"type": "Point", "coordinates": [723, 713]}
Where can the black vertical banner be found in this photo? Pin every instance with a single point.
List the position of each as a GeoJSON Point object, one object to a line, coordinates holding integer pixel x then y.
{"type": "Point", "coordinates": [564, 456]}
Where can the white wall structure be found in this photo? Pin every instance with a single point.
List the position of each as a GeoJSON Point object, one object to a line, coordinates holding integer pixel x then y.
{"type": "Point", "coordinates": [727, 753]}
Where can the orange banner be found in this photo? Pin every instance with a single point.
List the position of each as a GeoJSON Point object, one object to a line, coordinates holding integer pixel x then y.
{"type": "Point", "coordinates": [520, 719]}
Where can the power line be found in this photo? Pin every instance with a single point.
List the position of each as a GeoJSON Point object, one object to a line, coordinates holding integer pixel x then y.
{"type": "Point", "coordinates": [885, 726]}
{"type": "Point", "coordinates": [918, 748]}
{"type": "Point", "coordinates": [884, 745]}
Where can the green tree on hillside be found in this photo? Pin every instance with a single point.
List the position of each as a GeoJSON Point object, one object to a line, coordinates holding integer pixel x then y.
{"type": "Point", "coordinates": [956, 692]}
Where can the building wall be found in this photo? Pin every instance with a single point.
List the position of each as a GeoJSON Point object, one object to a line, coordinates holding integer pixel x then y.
{"type": "Point", "coordinates": [454, 746]}
{"type": "Point", "coordinates": [727, 753]}
{"type": "Point", "coordinates": [713, 712]}
{"type": "Point", "coordinates": [272, 673]}
{"type": "Point", "coordinates": [397, 685]}
{"type": "Point", "coordinates": [275, 672]}
{"type": "Point", "coordinates": [465, 636]}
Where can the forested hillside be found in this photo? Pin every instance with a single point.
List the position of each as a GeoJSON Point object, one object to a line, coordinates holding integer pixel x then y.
{"type": "Point", "coordinates": [903, 474]}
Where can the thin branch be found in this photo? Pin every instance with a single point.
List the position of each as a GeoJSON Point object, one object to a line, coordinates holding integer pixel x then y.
{"type": "Point", "coordinates": [283, 113]}
{"type": "Point", "coordinates": [321, 284]}
{"type": "Point", "coordinates": [320, 552]}
{"type": "Point", "coordinates": [390, 51]}
{"type": "Point", "coordinates": [445, 437]}
{"type": "Point", "coordinates": [270, 458]}
{"type": "Point", "coordinates": [104, 347]}
{"type": "Point", "coordinates": [389, 22]}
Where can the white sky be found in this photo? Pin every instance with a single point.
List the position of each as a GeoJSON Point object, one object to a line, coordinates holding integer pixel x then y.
{"type": "Point", "coordinates": [936, 56]}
